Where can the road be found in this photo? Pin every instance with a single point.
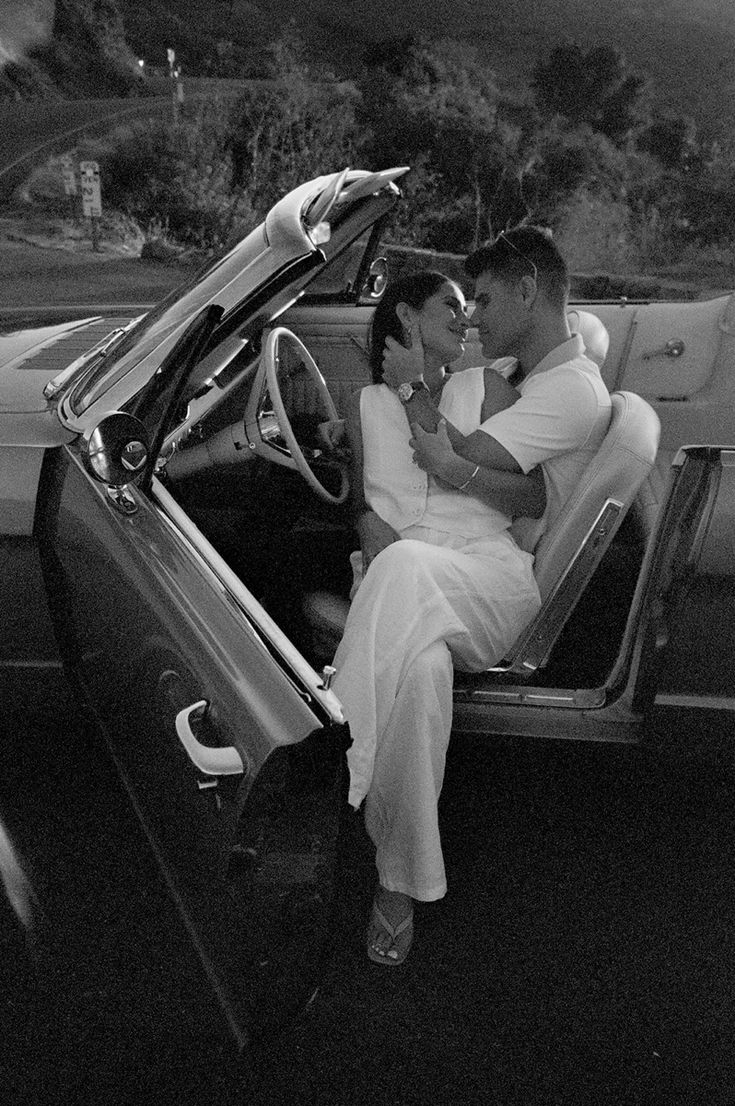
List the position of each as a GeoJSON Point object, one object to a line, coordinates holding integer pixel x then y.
{"type": "Point", "coordinates": [583, 957]}
{"type": "Point", "coordinates": [51, 285]}
{"type": "Point", "coordinates": [31, 131]}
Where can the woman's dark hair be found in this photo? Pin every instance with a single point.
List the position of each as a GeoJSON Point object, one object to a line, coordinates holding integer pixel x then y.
{"type": "Point", "coordinates": [520, 251]}
{"type": "Point", "coordinates": [414, 290]}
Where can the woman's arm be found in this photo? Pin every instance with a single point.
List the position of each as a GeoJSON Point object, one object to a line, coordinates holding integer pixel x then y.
{"type": "Point", "coordinates": [374, 533]}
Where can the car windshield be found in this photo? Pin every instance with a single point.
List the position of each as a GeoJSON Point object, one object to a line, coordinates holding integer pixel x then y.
{"type": "Point", "coordinates": [320, 238]}
{"type": "Point", "coordinates": [168, 318]}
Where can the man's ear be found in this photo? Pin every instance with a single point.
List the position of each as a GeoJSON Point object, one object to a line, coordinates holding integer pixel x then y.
{"type": "Point", "coordinates": [529, 289]}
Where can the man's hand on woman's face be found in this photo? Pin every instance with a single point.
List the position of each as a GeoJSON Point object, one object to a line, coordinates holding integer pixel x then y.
{"type": "Point", "coordinates": [401, 365]}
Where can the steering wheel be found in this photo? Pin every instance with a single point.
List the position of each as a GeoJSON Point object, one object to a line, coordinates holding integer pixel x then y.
{"type": "Point", "coordinates": [268, 427]}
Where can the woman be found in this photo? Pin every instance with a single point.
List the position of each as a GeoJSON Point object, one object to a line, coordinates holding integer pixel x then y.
{"type": "Point", "coordinates": [443, 583]}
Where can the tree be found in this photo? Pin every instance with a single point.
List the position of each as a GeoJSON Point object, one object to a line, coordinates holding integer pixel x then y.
{"type": "Point", "coordinates": [437, 107]}
{"type": "Point", "coordinates": [88, 52]}
{"type": "Point", "coordinates": [593, 88]}
{"type": "Point", "coordinates": [671, 139]}
{"type": "Point", "coordinates": [568, 161]}
{"type": "Point", "coordinates": [301, 126]}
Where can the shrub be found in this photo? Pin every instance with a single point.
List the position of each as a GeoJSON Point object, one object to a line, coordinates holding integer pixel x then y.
{"type": "Point", "coordinates": [597, 233]}
{"type": "Point", "coordinates": [180, 177]}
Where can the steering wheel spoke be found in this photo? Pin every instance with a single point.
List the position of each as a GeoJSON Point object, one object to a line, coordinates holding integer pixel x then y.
{"type": "Point", "coordinates": [274, 434]}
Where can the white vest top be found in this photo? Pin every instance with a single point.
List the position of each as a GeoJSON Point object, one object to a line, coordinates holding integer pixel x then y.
{"type": "Point", "coordinates": [397, 489]}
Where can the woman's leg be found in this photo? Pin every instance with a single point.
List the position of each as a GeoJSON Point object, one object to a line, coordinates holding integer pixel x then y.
{"type": "Point", "coordinates": [414, 595]}
{"type": "Point", "coordinates": [401, 807]}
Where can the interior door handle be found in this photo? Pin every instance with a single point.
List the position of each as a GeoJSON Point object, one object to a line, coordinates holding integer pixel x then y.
{"type": "Point", "coordinates": [211, 761]}
{"type": "Point", "coordinates": [673, 348]}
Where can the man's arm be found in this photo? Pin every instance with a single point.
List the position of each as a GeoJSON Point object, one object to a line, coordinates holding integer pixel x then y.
{"type": "Point", "coordinates": [406, 365]}
{"type": "Point", "coordinates": [476, 462]}
{"type": "Point", "coordinates": [513, 493]}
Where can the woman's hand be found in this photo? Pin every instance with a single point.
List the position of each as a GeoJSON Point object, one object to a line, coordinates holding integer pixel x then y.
{"type": "Point", "coordinates": [433, 452]}
{"type": "Point", "coordinates": [332, 433]}
{"type": "Point", "coordinates": [401, 365]}
{"type": "Point", "coordinates": [375, 534]}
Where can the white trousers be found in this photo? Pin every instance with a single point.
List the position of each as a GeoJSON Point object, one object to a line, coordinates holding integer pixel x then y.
{"type": "Point", "coordinates": [427, 602]}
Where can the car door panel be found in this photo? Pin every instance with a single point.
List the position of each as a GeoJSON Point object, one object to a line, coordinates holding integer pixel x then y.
{"type": "Point", "coordinates": [337, 339]}
{"type": "Point", "coordinates": [674, 349]}
{"type": "Point", "coordinates": [150, 632]}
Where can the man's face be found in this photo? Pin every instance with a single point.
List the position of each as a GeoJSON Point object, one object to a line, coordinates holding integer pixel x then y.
{"type": "Point", "coordinates": [500, 315]}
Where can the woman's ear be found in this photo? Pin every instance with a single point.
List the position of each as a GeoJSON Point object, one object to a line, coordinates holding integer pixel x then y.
{"type": "Point", "coordinates": [406, 317]}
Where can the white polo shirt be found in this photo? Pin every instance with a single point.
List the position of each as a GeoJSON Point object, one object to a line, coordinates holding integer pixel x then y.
{"type": "Point", "coordinates": [559, 422]}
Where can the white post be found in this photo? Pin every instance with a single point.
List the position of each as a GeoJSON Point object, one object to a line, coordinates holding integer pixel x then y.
{"type": "Point", "coordinates": [91, 197]}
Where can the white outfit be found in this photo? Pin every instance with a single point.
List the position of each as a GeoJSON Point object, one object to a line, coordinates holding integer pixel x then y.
{"type": "Point", "coordinates": [559, 423]}
{"type": "Point", "coordinates": [455, 589]}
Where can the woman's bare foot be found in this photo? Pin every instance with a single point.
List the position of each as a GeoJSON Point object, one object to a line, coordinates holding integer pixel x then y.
{"type": "Point", "coordinates": [390, 931]}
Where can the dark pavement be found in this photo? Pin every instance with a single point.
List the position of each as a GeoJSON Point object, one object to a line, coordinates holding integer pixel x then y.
{"type": "Point", "coordinates": [584, 954]}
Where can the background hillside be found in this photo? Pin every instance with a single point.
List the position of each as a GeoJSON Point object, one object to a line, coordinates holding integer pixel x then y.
{"type": "Point", "coordinates": [687, 47]}
{"type": "Point", "coordinates": [612, 123]}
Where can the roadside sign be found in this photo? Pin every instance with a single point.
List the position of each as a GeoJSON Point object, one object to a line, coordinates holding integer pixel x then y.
{"type": "Point", "coordinates": [91, 190]}
{"type": "Point", "coordinates": [69, 176]}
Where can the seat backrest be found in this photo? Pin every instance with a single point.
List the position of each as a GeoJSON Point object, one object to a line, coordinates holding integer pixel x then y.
{"type": "Point", "coordinates": [573, 546]}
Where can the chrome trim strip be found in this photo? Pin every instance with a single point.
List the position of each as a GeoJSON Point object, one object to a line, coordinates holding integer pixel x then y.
{"type": "Point", "coordinates": [695, 702]}
{"type": "Point", "coordinates": [582, 699]}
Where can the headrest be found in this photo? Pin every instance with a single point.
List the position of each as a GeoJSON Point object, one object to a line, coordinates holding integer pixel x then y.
{"type": "Point", "coordinates": [593, 333]}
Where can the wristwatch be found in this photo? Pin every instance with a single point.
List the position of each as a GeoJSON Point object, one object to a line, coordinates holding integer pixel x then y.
{"type": "Point", "coordinates": [406, 390]}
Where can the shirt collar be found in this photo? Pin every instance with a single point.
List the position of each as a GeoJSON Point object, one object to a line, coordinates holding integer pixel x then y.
{"type": "Point", "coordinates": [566, 351]}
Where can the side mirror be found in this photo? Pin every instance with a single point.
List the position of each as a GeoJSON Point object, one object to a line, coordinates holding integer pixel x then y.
{"type": "Point", "coordinates": [117, 450]}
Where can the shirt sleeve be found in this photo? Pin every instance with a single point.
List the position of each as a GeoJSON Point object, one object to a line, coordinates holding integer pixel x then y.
{"type": "Point", "coordinates": [556, 413]}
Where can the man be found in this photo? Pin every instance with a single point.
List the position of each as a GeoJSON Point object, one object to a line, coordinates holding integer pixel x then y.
{"type": "Point", "coordinates": [436, 599]}
{"type": "Point", "coordinates": [520, 311]}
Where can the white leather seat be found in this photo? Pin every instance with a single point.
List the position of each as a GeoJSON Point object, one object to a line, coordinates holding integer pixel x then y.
{"type": "Point", "coordinates": [574, 544]}
{"type": "Point", "coordinates": [593, 333]}
{"type": "Point", "coordinates": [569, 551]}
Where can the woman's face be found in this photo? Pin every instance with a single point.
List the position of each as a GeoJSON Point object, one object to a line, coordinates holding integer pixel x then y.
{"type": "Point", "coordinates": [442, 324]}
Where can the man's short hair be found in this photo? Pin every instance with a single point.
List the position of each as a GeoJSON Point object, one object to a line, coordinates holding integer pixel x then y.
{"type": "Point", "coordinates": [519, 252]}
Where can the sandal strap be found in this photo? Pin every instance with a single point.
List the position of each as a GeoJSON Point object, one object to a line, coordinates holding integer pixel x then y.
{"type": "Point", "coordinates": [392, 931]}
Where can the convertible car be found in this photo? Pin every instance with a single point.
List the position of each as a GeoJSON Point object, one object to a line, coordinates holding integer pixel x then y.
{"type": "Point", "coordinates": [175, 531]}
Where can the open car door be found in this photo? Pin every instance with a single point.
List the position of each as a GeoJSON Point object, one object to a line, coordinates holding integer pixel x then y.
{"type": "Point", "coordinates": [227, 742]}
